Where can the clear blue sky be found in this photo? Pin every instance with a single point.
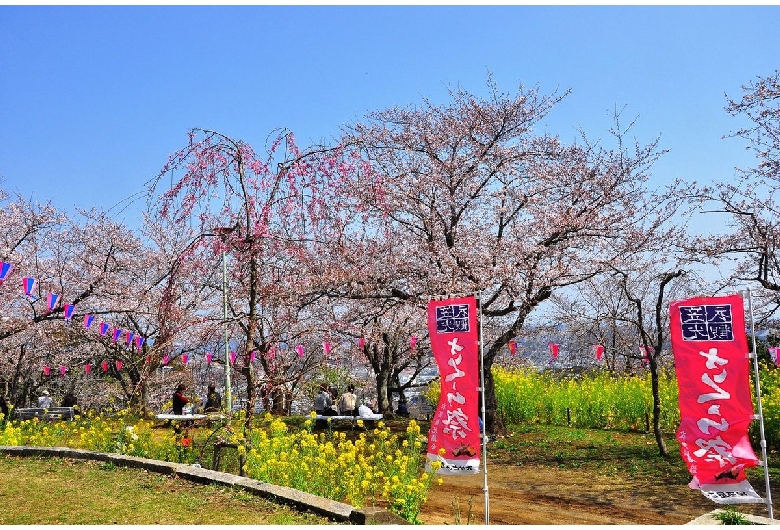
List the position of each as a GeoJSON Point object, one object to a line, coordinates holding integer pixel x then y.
{"type": "Point", "coordinates": [94, 99]}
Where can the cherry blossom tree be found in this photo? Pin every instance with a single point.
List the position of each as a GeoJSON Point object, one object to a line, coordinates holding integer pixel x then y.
{"type": "Point", "coordinates": [268, 210]}
{"type": "Point", "coordinates": [748, 203]}
{"type": "Point", "coordinates": [478, 202]}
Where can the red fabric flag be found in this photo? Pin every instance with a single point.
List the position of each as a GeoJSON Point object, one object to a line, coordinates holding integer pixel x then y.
{"type": "Point", "coordinates": [326, 348]}
{"type": "Point", "coordinates": [299, 349]}
{"type": "Point", "coordinates": [453, 438]}
{"type": "Point", "coordinates": [104, 365]}
{"type": "Point", "coordinates": [119, 365]}
{"type": "Point", "coordinates": [233, 356]}
{"type": "Point", "coordinates": [512, 347]}
{"type": "Point", "coordinates": [412, 342]}
{"type": "Point", "coordinates": [63, 369]}
{"type": "Point", "coordinates": [710, 357]}
{"type": "Point", "coordinates": [598, 351]}
{"type": "Point", "coordinates": [46, 370]}
{"type": "Point", "coordinates": [554, 350]}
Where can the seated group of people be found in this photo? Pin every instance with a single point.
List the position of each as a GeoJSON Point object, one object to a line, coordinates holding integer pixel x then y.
{"type": "Point", "coordinates": [326, 403]}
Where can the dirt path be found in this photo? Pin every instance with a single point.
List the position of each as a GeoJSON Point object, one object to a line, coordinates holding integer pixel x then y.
{"type": "Point", "coordinates": [540, 495]}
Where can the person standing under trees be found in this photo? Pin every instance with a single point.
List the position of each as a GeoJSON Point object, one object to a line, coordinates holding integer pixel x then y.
{"type": "Point", "coordinates": [347, 404]}
{"type": "Point", "coordinates": [213, 400]}
{"type": "Point", "coordinates": [179, 399]}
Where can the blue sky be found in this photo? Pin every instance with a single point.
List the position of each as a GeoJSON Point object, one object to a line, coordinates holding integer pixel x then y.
{"type": "Point", "coordinates": [94, 99]}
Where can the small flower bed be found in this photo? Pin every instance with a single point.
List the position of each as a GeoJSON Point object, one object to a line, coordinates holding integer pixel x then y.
{"type": "Point", "coordinates": [376, 469]}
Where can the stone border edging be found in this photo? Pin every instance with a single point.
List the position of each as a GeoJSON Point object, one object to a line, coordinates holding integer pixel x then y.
{"type": "Point", "coordinates": [709, 519]}
{"type": "Point", "coordinates": [333, 509]}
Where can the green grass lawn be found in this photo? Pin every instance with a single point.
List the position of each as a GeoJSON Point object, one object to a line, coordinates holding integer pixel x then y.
{"type": "Point", "coordinates": [64, 491]}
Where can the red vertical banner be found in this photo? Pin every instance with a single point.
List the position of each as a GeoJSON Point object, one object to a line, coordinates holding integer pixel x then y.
{"type": "Point", "coordinates": [713, 374]}
{"type": "Point", "coordinates": [453, 438]}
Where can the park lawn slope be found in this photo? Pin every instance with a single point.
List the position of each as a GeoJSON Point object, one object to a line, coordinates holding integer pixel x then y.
{"type": "Point", "coordinates": [65, 491]}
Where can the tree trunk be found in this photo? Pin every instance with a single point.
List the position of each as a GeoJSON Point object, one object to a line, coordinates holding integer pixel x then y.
{"type": "Point", "coordinates": [659, 438]}
{"type": "Point", "coordinates": [494, 424]}
{"type": "Point", "coordinates": [383, 389]}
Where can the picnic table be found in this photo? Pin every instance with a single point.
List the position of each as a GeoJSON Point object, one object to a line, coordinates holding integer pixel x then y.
{"type": "Point", "coordinates": [180, 417]}
{"type": "Point", "coordinates": [51, 413]}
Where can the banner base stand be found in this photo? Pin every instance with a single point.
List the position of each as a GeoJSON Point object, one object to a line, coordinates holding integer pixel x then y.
{"type": "Point", "coordinates": [738, 493]}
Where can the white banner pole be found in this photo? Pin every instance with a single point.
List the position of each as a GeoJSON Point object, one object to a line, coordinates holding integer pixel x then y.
{"type": "Point", "coordinates": [484, 417]}
{"type": "Point", "coordinates": [758, 402]}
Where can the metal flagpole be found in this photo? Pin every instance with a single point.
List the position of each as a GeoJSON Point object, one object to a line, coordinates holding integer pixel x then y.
{"type": "Point", "coordinates": [484, 417]}
{"type": "Point", "coordinates": [760, 414]}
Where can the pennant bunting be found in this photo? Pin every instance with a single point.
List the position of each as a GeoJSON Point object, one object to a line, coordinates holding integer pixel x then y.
{"type": "Point", "coordinates": [233, 357]}
{"type": "Point", "coordinates": [29, 285]}
{"type": "Point", "coordinates": [165, 359]}
{"type": "Point", "coordinates": [554, 348]}
{"type": "Point", "coordinates": [208, 358]}
{"type": "Point", "coordinates": [68, 312]}
{"type": "Point", "coordinates": [184, 358]}
{"type": "Point", "coordinates": [88, 321]}
{"type": "Point", "coordinates": [51, 301]}
{"type": "Point", "coordinates": [252, 356]}
{"type": "Point", "coordinates": [5, 270]}
{"type": "Point", "coordinates": [117, 333]}
{"type": "Point", "coordinates": [118, 365]}
{"type": "Point", "coordinates": [63, 369]}
{"type": "Point", "coordinates": [87, 368]}
{"type": "Point", "coordinates": [598, 351]}
{"type": "Point", "coordinates": [326, 348]}
{"type": "Point", "coordinates": [129, 337]}
{"type": "Point", "coordinates": [412, 342]}
{"type": "Point", "coordinates": [645, 355]}
{"type": "Point", "coordinates": [513, 347]}
{"type": "Point", "coordinates": [299, 349]}
{"type": "Point", "coordinates": [773, 353]}
{"type": "Point", "coordinates": [361, 343]}
{"type": "Point", "coordinates": [104, 366]}
{"type": "Point", "coordinates": [139, 341]}
{"type": "Point", "coordinates": [46, 370]}
{"type": "Point", "coordinates": [148, 359]}
{"type": "Point", "coordinates": [104, 329]}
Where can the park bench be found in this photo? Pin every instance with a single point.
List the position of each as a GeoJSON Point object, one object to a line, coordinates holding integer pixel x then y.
{"type": "Point", "coordinates": [352, 419]}
{"type": "Point", "coordinates": [52, 413]}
